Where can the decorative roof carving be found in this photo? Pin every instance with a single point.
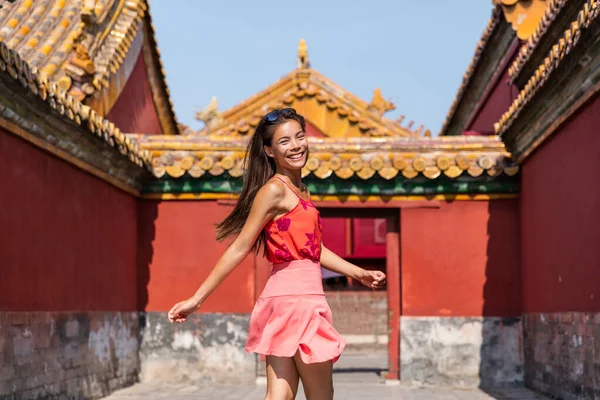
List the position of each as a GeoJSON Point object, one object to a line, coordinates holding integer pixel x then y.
{"type": "Point", "coordinates": [552, 10]}
{"type": "Point", "coordinates": [388, 157]}
{"type": "Point", "coordinates": [523, 15]}
{"type": "Point", "coordinates": [570, 38]}
{"type": "Point", "coordinates": [66, 105]}
{"type": "Point", "coordinates": [303, 62]}
{"type": "Point", "coordinates": [210, 115]}
{"type": "Point", "coordinates": [379, 105]}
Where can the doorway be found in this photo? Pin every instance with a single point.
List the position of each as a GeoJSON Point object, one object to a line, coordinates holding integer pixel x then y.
{"type": "Point", "coordinates": [367, 319]}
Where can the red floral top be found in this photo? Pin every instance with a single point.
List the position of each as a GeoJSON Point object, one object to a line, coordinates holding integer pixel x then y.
{"type": "Point", "coordinates": [296, 235]}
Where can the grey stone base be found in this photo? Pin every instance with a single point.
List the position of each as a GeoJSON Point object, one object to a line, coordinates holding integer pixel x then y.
{"type": "Point", "coordinates": [208, 348]}
{"type": "Point", "coordinates": [64, 355]}
{"type": "Point", "coordinates": [461, 351]}
{"type": "Point", "coordinates": [562, 354]}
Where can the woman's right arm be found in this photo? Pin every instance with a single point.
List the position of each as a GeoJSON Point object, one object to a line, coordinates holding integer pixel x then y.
{"type": "Point", "coordinates": [265, 207]}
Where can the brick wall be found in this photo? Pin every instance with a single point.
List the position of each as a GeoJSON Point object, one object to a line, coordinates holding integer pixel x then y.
{"type": "Point", "coordinates": [67, 355]}
{"type": "Point", "coordinates": [360, 316]}
{"type": "Point", "coordinates": [562, 354]}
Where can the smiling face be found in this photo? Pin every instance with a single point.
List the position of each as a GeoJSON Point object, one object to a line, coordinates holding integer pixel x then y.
{"type": "Point", "coordinates": [289, 146]}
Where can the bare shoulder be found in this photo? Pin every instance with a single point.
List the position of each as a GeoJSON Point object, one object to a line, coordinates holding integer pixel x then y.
{"type": "Point", "coordinates": [272, 192]}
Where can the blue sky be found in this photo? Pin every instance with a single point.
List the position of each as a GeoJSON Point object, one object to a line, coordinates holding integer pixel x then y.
{"type": "Point", "coordinates": [415, 51]}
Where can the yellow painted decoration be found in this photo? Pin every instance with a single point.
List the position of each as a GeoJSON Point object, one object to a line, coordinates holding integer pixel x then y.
{"type": "Point", "coordinates": [443, 163]}
{"type": "Point", "coordinates": [419, 164]}
{"type": "Point", "coordinates": [453, 171]}
{"type": "Point", "coordinates": [344, 172]}
{"type": "Point", "coordinates": [186, 162]}
{"type": "Point", "coordinates": [237, 170]}
{"type": "Point", "coordinates": [335, 163]}
{"type": "Point", "coordinates": [323, 172]}
{"type": "Point", "coordinates": [485, 162]}
{"type": "Point", "coordinates": [475, 171]}
{"type": "Point", "coordinates": [216, 170]}
{"type": "Point", "coordinates": [377, 163]}
{"type": "Point", "coordinates": [196, 170]}
{"type": "Point", "coordinates": [175, 171]}
{"type": "Point", "coordinates": [524, 15]}
{"type": "Point", "coordinates": [399, 163]}
{"type": "Point", "coordinates": [355, 164]}
{"type": "Point", "coordinates": [312, 164]}
{"type": "Point", "coordinates": [462, 162]}
{"type": "Point", "coordinates": [432, 172]}
{"type": "Point", "coordinates": [366, 172]}
{"type": "Point", "coordinates": [494, 171]}
{"type": "Point", "coordinates": [409, 172]}
{"type": "Point", "coordinates": [206, 163]}
{"type": "Point", "coordinates": [227, 162]}
{"type": "Point", "coordinates": [388, 173]}
{"type": "Point", "coordinates": [340, 198]}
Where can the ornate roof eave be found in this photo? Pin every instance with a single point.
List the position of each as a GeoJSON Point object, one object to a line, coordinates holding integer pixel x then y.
{"type": "Point", "coordinates": [552, 10]}
{"type": "Point", "coordinates": [578, 82]}
{"type": "Point", "coordinates": [305, 83]}
{"type": "Point", "coordinates": [68, 107]}
{"type": "Point", "coordinates": [570, 38]}
{"type": "Point", "coordinates": [386, 157]}
{"type": "Point", "coordinates": [88, 47]}
{"type": "Point", "coordinates": [491, 27]}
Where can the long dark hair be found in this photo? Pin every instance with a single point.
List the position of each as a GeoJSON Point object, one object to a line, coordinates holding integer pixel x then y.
{"type": "Point", "coordinates": [259, 168]}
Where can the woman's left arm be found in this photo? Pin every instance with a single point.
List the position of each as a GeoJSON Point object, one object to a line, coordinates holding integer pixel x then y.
{"type": "Point", "coordinates": [335, 263]}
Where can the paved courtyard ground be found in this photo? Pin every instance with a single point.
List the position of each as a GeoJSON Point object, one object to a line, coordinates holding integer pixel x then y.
{"type": "Point", "coordinates": [343, 391]}
{"type": "Point", "coordinates": [356, 377]}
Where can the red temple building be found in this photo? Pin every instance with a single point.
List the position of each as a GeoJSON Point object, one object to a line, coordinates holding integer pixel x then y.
{"type": "Point", "coordinates": [487, 232]}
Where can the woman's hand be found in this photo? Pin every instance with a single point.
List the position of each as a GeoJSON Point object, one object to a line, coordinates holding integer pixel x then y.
{"type": "Point", "coordinates": [181, 310]}
{"type": "Point", "coordinates": [372, 279]}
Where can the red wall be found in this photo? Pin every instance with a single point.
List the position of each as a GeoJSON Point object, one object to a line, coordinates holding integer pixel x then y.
{"type": "Point", "coordinates": [560, 208]}
{"type": "Point", "coordinates": [178, 249]}
{"type": "Point", "coordinates": [134, 110]}
{"type": "Point", "coordinates": [334, 235]}
{"type": "Point", "coordinates": [461, 259]}
{"type": "Point", "coordinates": [368, 239]}
{"type": "Point", "coordinates": [497, 99]}
{"type": "Point", "coordinates": [500, 99]}
{"type": "Point", "coordinates": [67, 239]}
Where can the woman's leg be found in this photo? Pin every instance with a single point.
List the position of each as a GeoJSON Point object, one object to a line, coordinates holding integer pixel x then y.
{"type": "Point", "coordinates": [317, 379]}
{"type": "Point", "coordinates": [282, 378]}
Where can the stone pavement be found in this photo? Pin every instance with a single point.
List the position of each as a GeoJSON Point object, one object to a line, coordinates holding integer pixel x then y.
{"type": "Point", "coordinates": [356, 377]}
{"type": "Point", "coordinates": [343, 391]}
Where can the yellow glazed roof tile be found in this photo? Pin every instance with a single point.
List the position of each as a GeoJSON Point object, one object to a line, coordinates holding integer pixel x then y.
{"type": "Point", "coordinates": [79, 43]}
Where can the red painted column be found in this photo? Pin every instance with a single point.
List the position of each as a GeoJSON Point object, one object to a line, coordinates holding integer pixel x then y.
{"type": "Point", "coordinates": [392, 243]}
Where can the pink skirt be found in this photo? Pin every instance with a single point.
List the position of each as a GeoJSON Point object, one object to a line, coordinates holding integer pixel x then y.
{"type": "Point", "coordinates": [292, 315]}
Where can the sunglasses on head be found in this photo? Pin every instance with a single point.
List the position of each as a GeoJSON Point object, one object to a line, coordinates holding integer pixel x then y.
{"type": "Point", "coordinates": [275, 114]}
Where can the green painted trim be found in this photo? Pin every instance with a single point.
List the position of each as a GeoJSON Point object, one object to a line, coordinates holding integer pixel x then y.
{"type": "Point", "coordinates": [352, 186]}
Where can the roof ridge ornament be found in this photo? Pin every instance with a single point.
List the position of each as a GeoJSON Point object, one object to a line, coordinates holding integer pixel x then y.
{"type": "Point", "coordinates": [524, 15]}
{"type": "Point", "coordinates": [211, 116]}
{"type": "Point", "coordinates": [303, 62]}
{"type": "Point", "coordinates": [379, 105]}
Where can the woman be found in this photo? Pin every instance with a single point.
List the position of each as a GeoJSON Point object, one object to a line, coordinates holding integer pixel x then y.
{"type": "Point", "coordinates": [291, 322]}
